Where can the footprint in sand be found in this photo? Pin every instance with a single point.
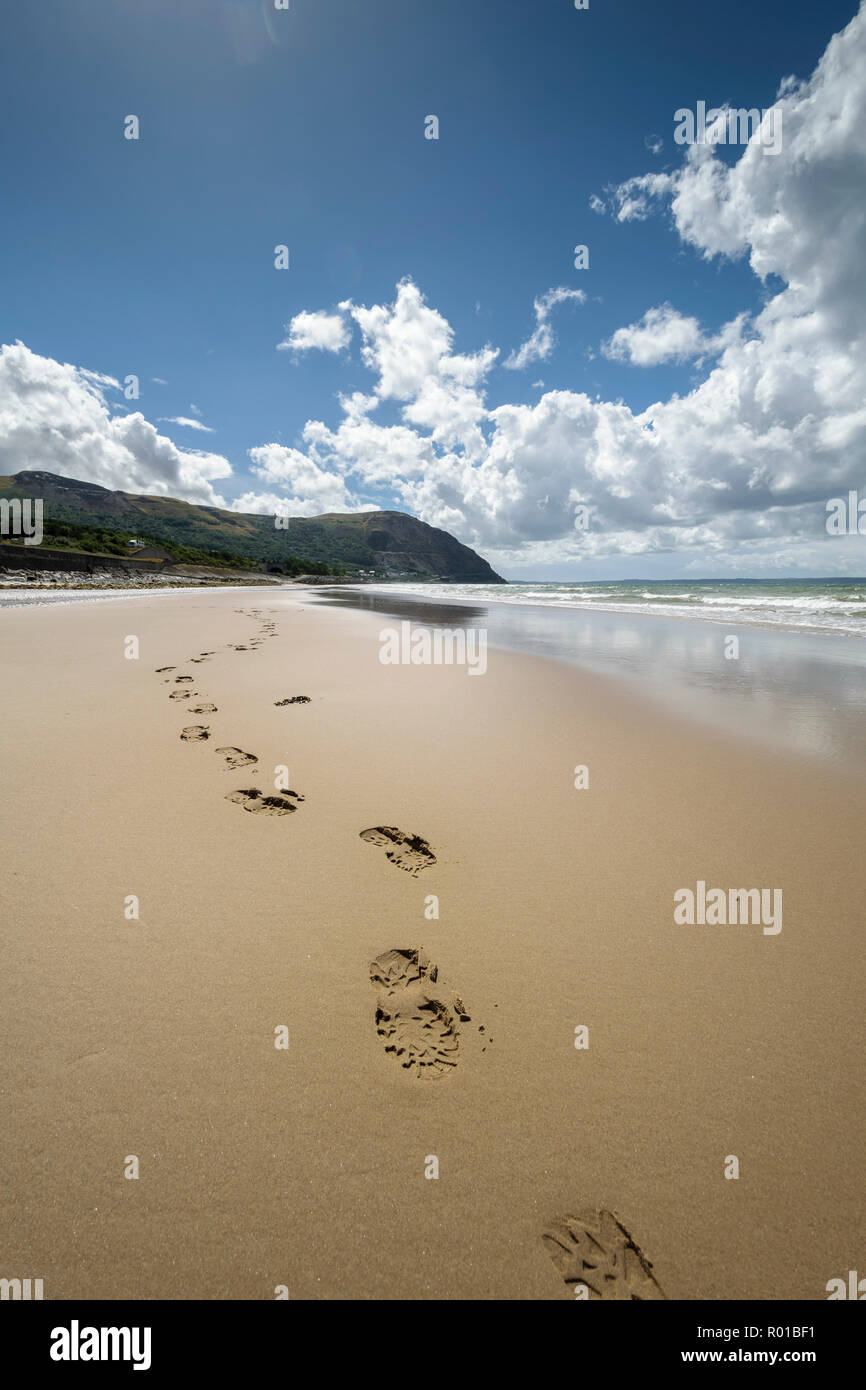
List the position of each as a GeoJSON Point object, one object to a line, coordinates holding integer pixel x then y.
{"type": "Point", "coordinates": [236, 757]}
{"type": "Point", "coordinates": [203, 709]}
{"type": "Point", "coordinates": [160, 670]}
{"type": "Point", "coordinates": [408, 852]}
{"type": "Point", "coordinates": [253, 800]}
{"type": "Point", "coordinates": [182, 680]}
{"type": "Point", "coordinates": [195, 733]}
{"type": "Point", "coordinates": [293, 700]}
{"type": "Point", "coordinates": [180, 694]}
{"type": "Point", "coordinates": [418, 1030]}
{"type": "Point", "coordinates": [594, 1249]}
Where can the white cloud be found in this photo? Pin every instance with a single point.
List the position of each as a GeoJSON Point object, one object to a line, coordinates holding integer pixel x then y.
{"type": "Point", "coordinates": [633, 199]}
{"type": "Point", "coordinates": [409, 346]}
{"type": "Point", "coordinates": [662, 335]}
{"type": "Point", "coordinates": [186, 422]}
{"type": "Point", "coordinates": [55, 417]}
{"type": "Point", "coordinates": [665, 335]}
{"type": "Point", "coordinates": [322, 331]}
{"type": "Point", "coordinates": [540, 346]}
{"type": "Point", "coordinates": [736, 472]}
{"type": "Point", "coordinates": [307, 489]}
{"type": "Point", "coordinates": [279, 504]}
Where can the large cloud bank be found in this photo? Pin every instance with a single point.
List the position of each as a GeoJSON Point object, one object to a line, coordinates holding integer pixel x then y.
{"type": "Point", "coordinates": [737, 470]}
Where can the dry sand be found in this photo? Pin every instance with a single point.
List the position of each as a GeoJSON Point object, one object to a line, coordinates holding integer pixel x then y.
{"type": "Point", "coordinates": [305, 1167]}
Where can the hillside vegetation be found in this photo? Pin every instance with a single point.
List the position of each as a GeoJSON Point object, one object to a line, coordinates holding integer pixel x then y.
{"type": "Point", "coordinates": [389, 545]}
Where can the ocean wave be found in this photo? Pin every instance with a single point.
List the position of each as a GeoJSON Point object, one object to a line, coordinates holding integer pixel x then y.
{"type": "Point", "coordinates": [797, 605]}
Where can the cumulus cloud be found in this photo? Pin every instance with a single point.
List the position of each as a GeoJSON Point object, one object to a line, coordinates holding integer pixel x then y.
{"type": "Point", "coordinates": [662, 335]}
{"type": "Point", "coordinates": [306, 489]}
{"type": "Point", "coordinates": [410, 348]}
{"type": "Point", "coordinates": [56, 418]}
{"type": "Point", "coordinates": [323, 331]}
{"type": "Point", "coordinates": [540, 346]}
{"type": "Point", "coordinates": [736, 471]}
{"type": "Point", "coordinates": [665, 335]}
{"type": "Point", "coordinates": [633, 199]}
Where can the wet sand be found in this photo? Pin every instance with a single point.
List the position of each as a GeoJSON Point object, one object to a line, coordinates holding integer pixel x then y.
{"type": "Point", "coordinates": [304, 1167]}
{"type": "Point", "coordinates": [792, 690]}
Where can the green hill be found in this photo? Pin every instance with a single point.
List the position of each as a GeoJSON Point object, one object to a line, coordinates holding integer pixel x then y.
{"type": "Point", "coordinates": [387, 545]}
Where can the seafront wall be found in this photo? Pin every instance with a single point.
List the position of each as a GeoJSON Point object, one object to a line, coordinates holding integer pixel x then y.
{"type": "Point", "coordinates": [40, 557]}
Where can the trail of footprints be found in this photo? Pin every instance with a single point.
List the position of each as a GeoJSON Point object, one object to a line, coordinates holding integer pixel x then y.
{"type": "Point", "coordinates": [250, 798]}
{"type": "Point", "coordinates": [592, 1251]}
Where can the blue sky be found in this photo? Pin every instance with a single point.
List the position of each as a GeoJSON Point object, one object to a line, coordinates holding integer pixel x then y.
{"type": "Point", "coordinates": [306, 127]}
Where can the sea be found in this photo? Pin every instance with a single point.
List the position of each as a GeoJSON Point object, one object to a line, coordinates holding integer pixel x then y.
{"type": "Point", "coordinates": [820, 605]}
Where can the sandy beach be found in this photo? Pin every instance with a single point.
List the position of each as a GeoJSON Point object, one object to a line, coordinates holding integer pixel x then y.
{"type": "Point", "coordinates": [303, 1167]}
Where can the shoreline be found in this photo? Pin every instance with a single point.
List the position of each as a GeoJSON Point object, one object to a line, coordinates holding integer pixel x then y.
{"type": "Point", "coordinates": [778, 689]}
{"type": "Point", "coordinates": [402, 591]}
{"type": "Point", "coordinates": [307, 1167]}
{"type": "Point", "coordinates": [690, 688]}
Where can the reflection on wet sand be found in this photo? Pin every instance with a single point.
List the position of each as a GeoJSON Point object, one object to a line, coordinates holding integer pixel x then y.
{"type": "Point", "coordinates": [802, 691]}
